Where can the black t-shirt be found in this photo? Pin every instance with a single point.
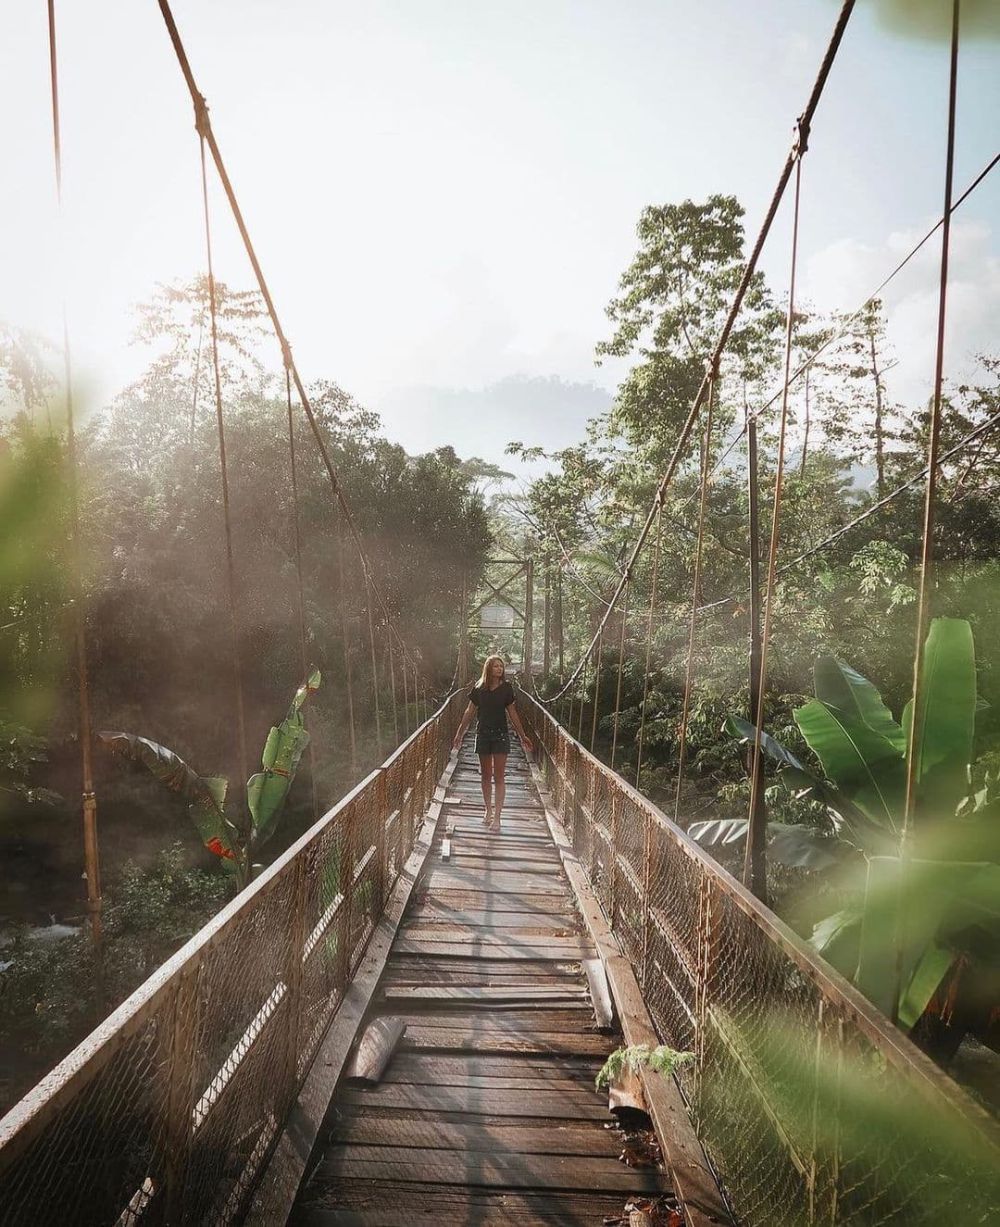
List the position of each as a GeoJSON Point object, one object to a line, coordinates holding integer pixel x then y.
{"type": "Point", "coordinates": [492, 705]}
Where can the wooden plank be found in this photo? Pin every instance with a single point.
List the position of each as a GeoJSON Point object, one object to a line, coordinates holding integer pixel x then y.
{"type": "Point", "coordinates": [512, 922]}
{"type": "Point", "coordinates": [565, 1102]}
{"type": "Point", "coordinates": [483, 992]}
{"type": "Point", "coordinates": [363, 1203]}
{"type": "Point", "coordinates": [485, 1082]}
{"type": "Point", "coordinates": [488, 1170]}
{"type": "Point", "coordinates": [498, 882]}
{"type": "Point", "coordinates": [416, 1067]}
{"type": "Point", "coordinates": [549, 1016]}
{"type": "Point", "coordinates": [422, 1036]}
{"type": "Point", "coordinates": [498, 948]}
{"type": "Point", "coordinates": [506, 901]}
{"type": "Point", "coordinates": [567, 1139]}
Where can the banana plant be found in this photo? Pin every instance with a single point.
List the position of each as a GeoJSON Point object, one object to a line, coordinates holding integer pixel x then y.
{"type": "Point", "coordinates": [921, 921]}
{"type": "Point", "coordinates": [234, 843]}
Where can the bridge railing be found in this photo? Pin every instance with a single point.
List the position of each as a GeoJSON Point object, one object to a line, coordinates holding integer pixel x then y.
{"type": "Point", "coordinates": [811, 1105]}
{"type": "Point", "coordinates": [168, 1111]}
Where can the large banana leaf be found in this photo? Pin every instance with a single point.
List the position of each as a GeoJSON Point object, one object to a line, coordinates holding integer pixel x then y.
{"type": "Point", "coordinates": [947, 729]}
{"type": "Point", "coordinates": [205, 795]}
{"type": "Point", "coordinates": [863, 764]}
{"type": "Point", "coordinates": [837, 939]}
{"type": "Point", "coordinates": [744, 732]}
{"type": "Point", "coordinates": [799, 847]}
{"type": "Point", "coordinates": [933, 904]}
{"type": "Point", "coordinates": [268, 789]}
{"type": "Point", "coordinates": [838, 685]}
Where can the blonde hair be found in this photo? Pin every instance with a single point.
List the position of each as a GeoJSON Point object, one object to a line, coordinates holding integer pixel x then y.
{"type": "Point", "coordinates": [484, 677]}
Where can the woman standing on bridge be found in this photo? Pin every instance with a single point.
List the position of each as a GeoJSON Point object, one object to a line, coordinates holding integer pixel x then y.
{"type": "Point", "coordinates": [492, 697]}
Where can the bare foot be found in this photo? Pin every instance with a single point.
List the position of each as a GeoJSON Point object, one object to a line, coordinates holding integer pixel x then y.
{"type": "Point", "coordinates": [487, 816]}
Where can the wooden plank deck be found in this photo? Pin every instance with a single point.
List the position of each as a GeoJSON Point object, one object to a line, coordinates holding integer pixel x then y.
{"type": "Point", "coordinates": [487, 1113]}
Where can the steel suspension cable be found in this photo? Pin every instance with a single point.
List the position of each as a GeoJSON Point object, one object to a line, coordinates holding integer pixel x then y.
{"type": "Point", "coordinates": [203, 124]}
{"type": "Point", "coordinates": [91, 850]}
{"type": "Point", "coordinates": [300, 590]}
{"type": "Point", "coordinates": [695, 593]}
{"type": "Point", "coordinates": [791, 161]}
{"type": "Point", "coordinates": [917, 722]}
{"type": "Point", "coordinates": [241, 730]}
{"type": "Point", "coordinates": [649, 642]}
{"type": "Point", "coordinates": [753, 871]}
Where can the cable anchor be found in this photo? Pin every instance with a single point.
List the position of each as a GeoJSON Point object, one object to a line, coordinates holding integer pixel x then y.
{"type": "Point", "coordinates": [202, 124]}
{"type": "Point", "coordinates": [801, 137]}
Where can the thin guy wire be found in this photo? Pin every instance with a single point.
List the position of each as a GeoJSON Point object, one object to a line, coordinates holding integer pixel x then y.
{"type": "Point", "coordinates": [345, 636]}
{"type": "Point", "coordinates": [927, 551]}
{"type": "Point", "coordinates": [88, 794]}
{"type": "Point", "coordinates": [621, 666]}
{"type": "Point", "coordinates": [395, 699]}
{"type": "Point", "coordinates": [649, 643]}
{"type": "Point", "coordinates": [756, 780]}
{"type": "Point", "coordinates": [371, 641]}
{"type": "Point", "coordinates": [300, 585]}
{"type": "Point", "coordinates": [597, 688]}
{"type": "Point", "coordinates": [695, 595]}
{"type": "Point", "coordinates": [241, 730]}
{"type": "Point", "coordinates": [791, 161]}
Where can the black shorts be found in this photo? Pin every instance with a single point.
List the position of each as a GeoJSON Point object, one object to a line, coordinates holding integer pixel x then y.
{"type": "Point", "coordinates": [492, 741]}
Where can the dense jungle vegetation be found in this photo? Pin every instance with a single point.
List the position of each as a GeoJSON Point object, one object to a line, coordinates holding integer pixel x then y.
{"type": "Point", "coordinates": [158, 628]}
{"type": "Point", "coordinates": [844, 601]}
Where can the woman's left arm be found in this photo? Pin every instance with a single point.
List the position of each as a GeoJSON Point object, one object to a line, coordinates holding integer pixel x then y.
{"type": "Point", "coordinates": [515, 720]}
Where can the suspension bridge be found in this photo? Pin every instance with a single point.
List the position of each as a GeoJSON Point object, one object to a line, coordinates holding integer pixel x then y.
{"type": "Point", "coordinates": [402, 1017]}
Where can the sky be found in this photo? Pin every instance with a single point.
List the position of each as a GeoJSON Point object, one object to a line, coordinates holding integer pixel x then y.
{"type": "Point", "coordinates": [443, 193]}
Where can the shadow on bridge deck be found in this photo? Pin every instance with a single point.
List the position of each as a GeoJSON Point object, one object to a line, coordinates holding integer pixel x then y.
{"type": "Point", "coordinates": [488, 1111]}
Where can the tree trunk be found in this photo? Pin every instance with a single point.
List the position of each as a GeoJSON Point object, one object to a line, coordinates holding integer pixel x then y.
{"type": "Point", "coordinates": [879, 429]}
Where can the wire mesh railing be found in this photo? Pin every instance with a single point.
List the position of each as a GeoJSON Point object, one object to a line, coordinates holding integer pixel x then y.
{"type": "Point", "coordinates": [812, 1107]}
{"type": "Point", "coordinates": [167, 1112]}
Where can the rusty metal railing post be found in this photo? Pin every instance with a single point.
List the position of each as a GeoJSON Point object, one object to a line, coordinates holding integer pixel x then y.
{"type": "Point", "coordinates": [345, 917]}
{"type": "Point", "coordinates": [381, 849]}
{"type": "Point", "coordinates": [178, 1133]}
{"type": "Point", "coordinates": [616, 810]}
{"type": "Point", "coordinates": [705, 968]}
{"type": "Point", "coordinates": [647, 876]}
{"type": "Point", "coordinates": [293, 976]}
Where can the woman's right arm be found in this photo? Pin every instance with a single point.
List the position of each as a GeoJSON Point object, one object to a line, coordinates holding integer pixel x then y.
{"type": "Point", "coordinates": [470, 711]}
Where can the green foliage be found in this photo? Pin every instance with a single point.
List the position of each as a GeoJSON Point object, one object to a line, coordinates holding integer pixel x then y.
{"type": "Point", "coordinates": [47, 986]}
{"type": "Point", "coordinates": [917, 918]}
{"type": "Point", "coordinates": [283, 750]}
{"type": "Point", "coordinates": [633, 1057]}
{"type": "Point", "coordinates": [233, 842]}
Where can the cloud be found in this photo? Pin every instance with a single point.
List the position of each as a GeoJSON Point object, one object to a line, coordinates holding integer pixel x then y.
{"type": "Point", "coordinates": [548, 412]}
{"type": "Point", "coordinates": [842, 275]}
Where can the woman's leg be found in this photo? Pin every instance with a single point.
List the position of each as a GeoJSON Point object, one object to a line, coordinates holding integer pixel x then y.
{"type": "Point", "coordinates": [486, 780]}
{"type": "Point", "coordinates": [499, 787]}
